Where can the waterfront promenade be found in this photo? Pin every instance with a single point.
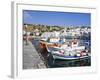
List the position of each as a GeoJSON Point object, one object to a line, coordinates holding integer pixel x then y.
{"type": "Point", "coordinates": [31, 58]}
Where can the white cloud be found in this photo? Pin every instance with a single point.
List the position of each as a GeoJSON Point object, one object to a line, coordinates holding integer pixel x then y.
{"type": "Point", "coordinates": [27, 16]}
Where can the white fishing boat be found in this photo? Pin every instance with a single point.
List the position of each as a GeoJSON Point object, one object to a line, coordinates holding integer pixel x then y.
{"type": "Point", "coordinates": [59, 48]}
{"type": "Point", "coordinates": [66, 52]}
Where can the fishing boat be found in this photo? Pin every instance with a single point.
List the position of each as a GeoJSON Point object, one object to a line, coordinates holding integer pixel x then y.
{"type": "Point", "coordinates": [64, 50]}
{"type": "Point", "coordinates": [60, 48]}
{"type": "Point", "coordinates": [67, 53]}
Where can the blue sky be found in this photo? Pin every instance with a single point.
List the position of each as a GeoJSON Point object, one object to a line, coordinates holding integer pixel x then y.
{"type": "Point", "coordinates": [56, 18]}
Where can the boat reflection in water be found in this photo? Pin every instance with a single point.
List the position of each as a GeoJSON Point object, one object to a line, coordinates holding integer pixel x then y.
{"type": "Point", "coordinates": [71, 63]}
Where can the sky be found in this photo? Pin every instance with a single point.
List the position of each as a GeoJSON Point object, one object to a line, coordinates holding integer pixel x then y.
{"type": "Point", "coordinates": [56, 18]}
